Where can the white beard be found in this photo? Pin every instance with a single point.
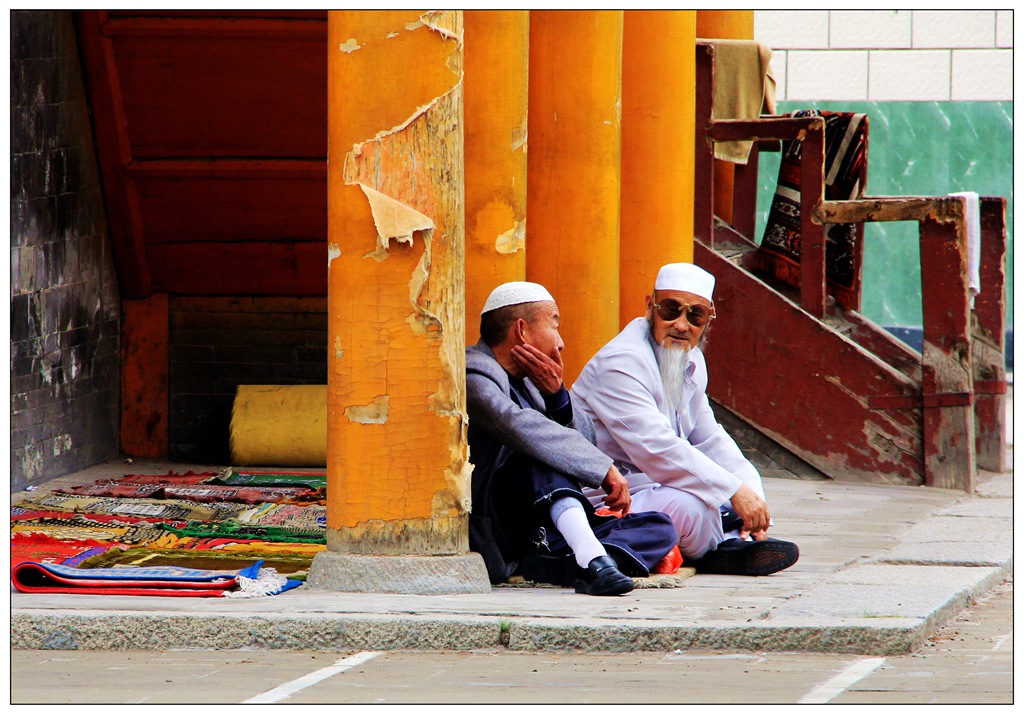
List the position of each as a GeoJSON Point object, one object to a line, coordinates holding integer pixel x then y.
{"type": "Point", "coordinates": [672, 361]}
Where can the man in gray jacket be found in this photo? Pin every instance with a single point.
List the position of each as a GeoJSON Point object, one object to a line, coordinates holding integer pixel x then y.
{"type": "Point", "coordinates": [531, 451]}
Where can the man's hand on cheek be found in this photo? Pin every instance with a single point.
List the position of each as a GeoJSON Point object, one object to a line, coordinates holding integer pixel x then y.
{"type": "Point", "coordinates": [545, 371]}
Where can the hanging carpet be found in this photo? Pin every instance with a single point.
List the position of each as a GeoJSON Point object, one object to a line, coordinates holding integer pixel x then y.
{"type": "Point", "coordinates": [846, 136]}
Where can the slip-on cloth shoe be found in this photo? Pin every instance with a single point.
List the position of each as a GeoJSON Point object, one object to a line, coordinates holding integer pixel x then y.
{"type": "Point", "coordinates": [603, 577]}
{"type": "Point", "coordinates": [747, 557]}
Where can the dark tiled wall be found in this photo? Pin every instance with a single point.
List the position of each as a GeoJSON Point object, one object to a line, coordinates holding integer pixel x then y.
{"type": "Point", "coordinates": [217, 343]}
{"type": "Point", "coordinates": [64, 297]}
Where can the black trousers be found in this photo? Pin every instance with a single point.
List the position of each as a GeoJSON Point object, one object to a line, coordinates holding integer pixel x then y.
{"type": "Point", "coordinates": [518, 511]}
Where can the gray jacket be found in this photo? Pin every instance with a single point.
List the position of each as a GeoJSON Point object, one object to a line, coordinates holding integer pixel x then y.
{"type": "Point", "coordinates": [498, 427]}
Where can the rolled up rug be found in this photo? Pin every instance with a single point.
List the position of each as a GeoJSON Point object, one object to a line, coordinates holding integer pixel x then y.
{"type": "Point", "coordinates": [165, 581]}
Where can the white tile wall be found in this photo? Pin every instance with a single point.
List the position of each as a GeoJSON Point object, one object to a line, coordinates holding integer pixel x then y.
{"type": "Point", "coordinates": [778, 65]}
{"type": "Point", "coordinates": [982, 75]}
{"type": "Point", "coordinates": [869, 29]}
{"type": "Point", "coordinates": [915, 55]}
{"type": "Point", "coordinates": [822, 75]}
{"type": "Point", "coordinates": [792, 29]}
{"type": "Point", "coordinates": [1004, 28]}
{"type": "Point", "coordinates": [954, 28]}
{"type": "Point", "coordinates": [909, 75]}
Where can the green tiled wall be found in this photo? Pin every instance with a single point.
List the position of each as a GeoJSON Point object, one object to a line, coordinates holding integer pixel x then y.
{"type": "Point", "coordinates": [917, 149]}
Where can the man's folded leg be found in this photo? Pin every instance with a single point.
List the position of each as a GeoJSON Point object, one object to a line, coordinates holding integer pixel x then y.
{"type": "Point", "coordinates": [598, 573]}
{"type": "Point", "coordinates": [703, 539]}
{"type": "Point", "coordinates": [607, 550]}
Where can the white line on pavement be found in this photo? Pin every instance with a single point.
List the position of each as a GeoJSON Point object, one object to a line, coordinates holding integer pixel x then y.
{"type": "Point", "coordinates": [839, 683]}
{"type": "Point", "coordinates": [296, 685]}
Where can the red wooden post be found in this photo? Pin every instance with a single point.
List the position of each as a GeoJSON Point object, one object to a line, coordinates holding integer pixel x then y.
{"type": "Point", "coordinates": [145, 326]}
{"type": "Point", "coordinates": [704, 153]}
{"type": "Point", "coordinates": [988, 339]}
{"type": "Point", "coordinates": [949, 456]}
{"type": "Point", "coordinates": [812, 235]}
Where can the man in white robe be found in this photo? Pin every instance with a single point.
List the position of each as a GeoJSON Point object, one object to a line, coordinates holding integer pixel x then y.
{"type": "Point", "coordinates": [645, 391]}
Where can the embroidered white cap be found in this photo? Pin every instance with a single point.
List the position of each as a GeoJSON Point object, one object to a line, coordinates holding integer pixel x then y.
{"type": "Point", "coordinates": [686, 277]}
{"type": "Point", "coordinates": [516, 293]}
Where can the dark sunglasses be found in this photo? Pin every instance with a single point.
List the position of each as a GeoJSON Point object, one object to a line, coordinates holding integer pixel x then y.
{"type": "Point", "coordinates": [696, 315]}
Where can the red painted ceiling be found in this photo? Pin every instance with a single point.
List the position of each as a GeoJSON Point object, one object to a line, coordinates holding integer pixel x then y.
{"type": "Point", "coordinates": [211, 133]}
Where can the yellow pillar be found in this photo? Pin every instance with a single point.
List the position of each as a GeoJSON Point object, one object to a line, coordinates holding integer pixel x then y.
{"type": "Point", "coordinates": [398, 472]}
{"type": "Point", "coordinates": [658, 74]}
{"type": "Point", "coordinates": [574, 168]}
{"type": "Point", "coordinates": [497, 60]}
{"type": "Point", "coordinates": [725, 25]}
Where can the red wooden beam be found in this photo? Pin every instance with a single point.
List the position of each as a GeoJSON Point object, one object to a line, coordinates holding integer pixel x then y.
{"type": "Point", "coordinates": [812, 235]}
{"type": "Point", "coordinates": [145, 377]}
{"type": "Point", "coordinates": [988, 339]}
{"type": "Point", "coordinates": [948, 428]}
{"type": "Point", "coordinates": [806, 386]}
{"type": "Point", "coordinates": [234, 268]}
{"type": "Point", "coordinates": [114, 152]}
{"type": "Point", "coordinates": [764, 129]}
{"type": "Point", "coordinates": [704, 153]}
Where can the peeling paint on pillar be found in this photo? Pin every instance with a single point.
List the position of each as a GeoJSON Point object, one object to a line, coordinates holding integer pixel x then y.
{"type": "Point", "coordinates": [397, 453]}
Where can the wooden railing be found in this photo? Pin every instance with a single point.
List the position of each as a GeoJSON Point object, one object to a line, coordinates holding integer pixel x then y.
{"type": "Point", "coordinates": [963, 377]}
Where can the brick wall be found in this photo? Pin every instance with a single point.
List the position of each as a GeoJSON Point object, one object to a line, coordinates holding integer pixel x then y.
{"type": "Point", "coordinates": [64, 298]}
{"type": "Point", "coordinates": [889, 55]}
{"type": "Point", "coordinates": [217, 344]}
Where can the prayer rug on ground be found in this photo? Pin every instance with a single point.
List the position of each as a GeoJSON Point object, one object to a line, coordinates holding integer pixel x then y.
{"type": "Point", "coordinates": [181, 479]}
{"type": "Point", "coordinates": [234, 529]}
{"type": "Point", "coordinates": [285, 515]}
{"type": "Point", "coordinates": [845, 154]}
{"type": "Point", "coordinates": [292, 565]}
{"type": "Point", "coordinates": [165, 581]}
{"type": "Point", "coordinates": [173, 541]}
{"type": "Point", "coordinates": [197, 493]}
{"type": "Point", "coordinates": [234, 476]}
{"type": "Point", "coordinates": [168, 509]}
{"type": "Point", "coordinates": [130, 535]}
{"type": "Point", "coordinates": [19, 513]}
{"type": "Point", "coordinates": [44, 548]}
{"type": "Point", "coordinates": [76, 526]}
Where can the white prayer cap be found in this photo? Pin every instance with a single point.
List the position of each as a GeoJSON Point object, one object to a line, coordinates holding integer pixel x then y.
{"type": "Point", "coordinates": [687, 278]}
{"type": "Point", "coordinates": [516, 293]}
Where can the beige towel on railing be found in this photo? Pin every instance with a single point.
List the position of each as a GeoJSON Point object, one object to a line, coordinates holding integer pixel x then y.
{"type": "Point", "coordinates": [744, 89]}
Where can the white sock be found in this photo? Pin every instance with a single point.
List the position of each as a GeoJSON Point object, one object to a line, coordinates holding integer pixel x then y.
{"type": "Point", "coordinates": [573, 525]}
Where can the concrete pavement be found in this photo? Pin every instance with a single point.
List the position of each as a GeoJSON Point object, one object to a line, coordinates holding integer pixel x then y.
{"type": "Point", "coordinates": [881, 569]}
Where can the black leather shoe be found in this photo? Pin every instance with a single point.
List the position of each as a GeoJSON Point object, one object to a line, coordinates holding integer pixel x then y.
{"type": "Point", "coordinates": [603, 577]}
{"type": "Point", "coordinates": [747, 557]}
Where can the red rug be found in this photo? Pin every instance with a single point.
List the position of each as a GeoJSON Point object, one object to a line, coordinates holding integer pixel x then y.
{"type": "Point", "coordinates": [162, 581]}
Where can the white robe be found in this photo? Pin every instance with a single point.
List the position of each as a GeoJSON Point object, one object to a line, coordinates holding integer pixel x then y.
{"type": "Point", "coordinates": [687, 449]}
